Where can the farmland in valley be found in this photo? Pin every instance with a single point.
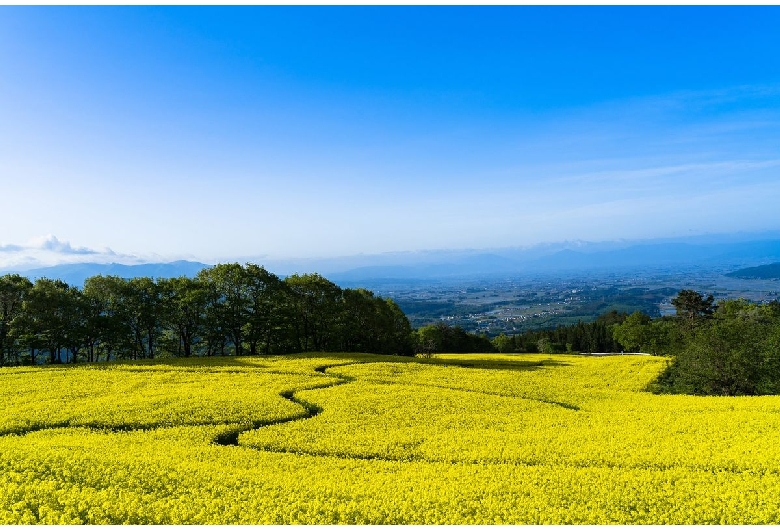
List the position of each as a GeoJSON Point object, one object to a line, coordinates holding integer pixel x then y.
{"type": "Point", "coordinates": [369, 439]}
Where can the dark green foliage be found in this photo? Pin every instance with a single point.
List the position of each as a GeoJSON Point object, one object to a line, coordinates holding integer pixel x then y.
{"type": "Point", "coordinates": [13, 290]}
{"type": "Point", "coordinates": [581, 337]}
{"type": "Point", "coordinates": [317, 306]}
{"type": "Point", "coordinates": [441, 338]}
{"type": "Point", "coordinates": [734, 352]}
{"type": "Point", "coordinates": [184, 300]}
{"type": "Point", "coordinates": [693, 307]}
{"type": "Point", "coordinates": [365, 311]}
{"type": "Point", "coordinates": [227, 306]}
{"type": "Point", "coordinates": [108, 324]}
{"type": "Point", "coordinates": [228, 309]}
{"type": "Point", "coordinates": [634, 332]}
{"type": "Point", "coordinates": [49, 319]}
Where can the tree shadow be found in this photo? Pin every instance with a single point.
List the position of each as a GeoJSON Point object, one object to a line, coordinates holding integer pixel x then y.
{"type": "Point", "coordinates": [503, 364]}
{"type": "Point", "coordinates": [245, 362]}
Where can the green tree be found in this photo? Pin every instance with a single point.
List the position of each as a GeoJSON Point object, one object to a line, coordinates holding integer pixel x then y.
{"type": "Point", "coordinates": [664, 337]}
{"type": "Point", "coordinates": [442, 338]}
{"type": "Point", "coordinates": [144, 310]}
{"type": "Point", "coordinates": [266, 309]}
{"type": "Point", "coordinates": [545, 345]}
{"type": "Point", "coordinates": [45, 321]}
{"type": "Point", "coordinates": [227, 306]}
{"type": "Point", "coordinates": [723, 360]}
{"type": "Point", "coordinates": [634, 332]}
{"type": "Point", "coordinates": [693, 307]}
{"type": "Point", "coordinates": [504, 344]}
{"type": "Point", "coordinates": [360, 321]}
{"type": "Point", "coordinates": [108, 320]}
{"type": "Point", "coordinates": [430, 339]}
{"type": "Point", "coordinates": [735, 352]}
{"type": "Point", "coordinates": [13, 291]}
{"type": "Point", "coordinates": [316, 304]}
{"type": "Point", "coordinates": [397, 334]}
{"type": "Point", "coordinates": [183, 301]}
{"type": "Point", "coordinates": [75, 323]}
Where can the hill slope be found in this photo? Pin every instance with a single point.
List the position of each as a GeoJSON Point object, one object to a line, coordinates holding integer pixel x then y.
{"type": "Point", "coordinates": [762, 272]}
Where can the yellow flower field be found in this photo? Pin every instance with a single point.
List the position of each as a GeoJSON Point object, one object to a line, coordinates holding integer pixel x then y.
{"type": "Point", "coordinates": [362, 439]}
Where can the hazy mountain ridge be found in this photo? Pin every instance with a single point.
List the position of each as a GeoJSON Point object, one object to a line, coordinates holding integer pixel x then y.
{"type": "Point", "coordinates": [571, 261]}
{"type": "Point", "coordinates": [567, 257]}
{"type": "Point", "coordinates": [76, 273]}
{"type": "Point", "coordinates": [762, 272]}
{"type": "Point", "coordinates": [665, 254]}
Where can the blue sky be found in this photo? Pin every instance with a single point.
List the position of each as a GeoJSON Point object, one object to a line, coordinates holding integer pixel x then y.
{"type": "Point", "coordinates": [250, 132]}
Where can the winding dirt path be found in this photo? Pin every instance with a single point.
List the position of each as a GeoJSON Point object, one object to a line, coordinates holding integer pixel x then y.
{"type": "Point", "coordinates": [310, 409]}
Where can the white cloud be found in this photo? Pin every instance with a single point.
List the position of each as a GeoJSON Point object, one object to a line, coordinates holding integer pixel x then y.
{"type": "Point", "coordinates": [50, 242]}
{"type": "Point", "coordinates": [49, 250]}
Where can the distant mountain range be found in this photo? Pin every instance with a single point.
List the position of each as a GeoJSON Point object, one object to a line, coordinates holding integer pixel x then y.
{"type": "Point", "coordinates": [75, 274]}
{"type": "Point", "coordinates": [659, 254]}
{"type": "Point", "coordinates": [713, 253]}
{"type": "Point", "coordinates": [635, 257]}
{"type": "Point", "coordinates": [762, 272]}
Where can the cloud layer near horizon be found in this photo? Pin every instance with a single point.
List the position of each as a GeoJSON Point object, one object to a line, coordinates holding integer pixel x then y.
{"type": "Point", "coordinates": [49, 250]}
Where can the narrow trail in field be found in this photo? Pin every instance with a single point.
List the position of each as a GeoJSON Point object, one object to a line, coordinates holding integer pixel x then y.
{"type": "Point", "coordinates": [310, 409]}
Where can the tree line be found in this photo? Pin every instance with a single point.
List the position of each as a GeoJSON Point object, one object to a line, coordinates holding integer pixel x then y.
{"type": "Point", "coordinates": [585, 337]}
{"type": "Point", "coordinates": [731, 347]}
{"type": "Point", "coordinates": [228, 309]}
{"type": "Point", "coordinates": [440, 337]}
{"type": "Point", "coordinates": [727, 348]}
{"type": "Point", "coordinates": [589, 337]}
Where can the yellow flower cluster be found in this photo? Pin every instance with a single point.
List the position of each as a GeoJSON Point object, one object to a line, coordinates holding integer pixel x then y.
{"type": "Point", "coordinates": [364, 439]}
